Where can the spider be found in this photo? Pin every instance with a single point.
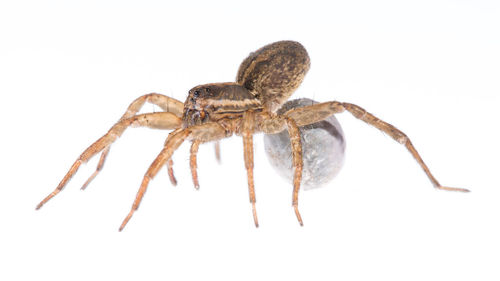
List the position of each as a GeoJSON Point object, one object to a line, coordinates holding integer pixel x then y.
{"type": "Point", "coordinates": [265, 80]}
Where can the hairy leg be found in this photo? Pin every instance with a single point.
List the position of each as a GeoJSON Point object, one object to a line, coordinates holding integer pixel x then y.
{"type": "Point", "coordinates": [104, 154]}
{"type": "Point", "coordinates": [205, 132]}
{"type": "Point", "coordinates": [167, 104]}
{"type": "Point", "coordinates": [277, 123]}
{"type": "Point", "coordinates": [217, 151]}
{"type": "Point", "coordinates": [293, 131]}
{"type": "Point", "coordinates": [158, 120]}
{"type": "Point", "coordinates": [398, 136]}
{"type": "Point", "coordinates": [247, 134]}
{"type": "Point", "coordinates": [170, 165]}
{"type": "Point", "coordinates": [317, 112]}
{"type": "Point", "coordinates": [170, 170]}
{"type": "Point", "coordinates": [192, 162]}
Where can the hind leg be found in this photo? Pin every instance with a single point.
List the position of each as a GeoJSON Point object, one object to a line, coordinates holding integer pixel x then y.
{"type": "Point", "coordinates": [247, 134]}
{"type": "Point", "coordinates": [317, 112]}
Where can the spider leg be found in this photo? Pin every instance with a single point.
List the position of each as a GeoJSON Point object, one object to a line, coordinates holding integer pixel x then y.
{"type": "Point", "coordinates": [170, 169]}
{"type": "Point", "coordinates": [104, 154]}
{"type": "Point", "coordinates": [170, 166]}
{"type": "Point", "coordinates": [205, 132]}
{"type": "Point", "coordinates": [217, 151]}
{"type": "Point", "coordinates": [192, 162]}
{"type": "Point", "coordinates": [247, 134]}
{"type": "Point", "coordinates": [158, 120]}
{"type": "Point", "coordinates": [293, 131]}
{"type": "Point", "coordinates": [167, 104]}
{"type": "Point", "coordinates": [317, 112]}
{"type": "Point", "coordinates": [398, 136]}
{"type": "Point", "coordinates": [314, 113]}
{"type": "Point", "coordinates": [277, 123]}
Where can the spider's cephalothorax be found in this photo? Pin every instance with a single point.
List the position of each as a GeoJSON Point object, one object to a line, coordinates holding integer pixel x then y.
{"type": "Point", "coordinates": [265, 80]}
{"type": "Point", "coordinates": [213, 102]}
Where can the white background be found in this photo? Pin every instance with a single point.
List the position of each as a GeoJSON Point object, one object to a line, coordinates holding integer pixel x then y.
{"type": "Point", "coordinates": [68, 70]}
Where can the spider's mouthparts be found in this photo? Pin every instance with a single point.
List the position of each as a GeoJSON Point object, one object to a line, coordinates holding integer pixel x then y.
{"type": "Point", "coordinates": [194, 117]}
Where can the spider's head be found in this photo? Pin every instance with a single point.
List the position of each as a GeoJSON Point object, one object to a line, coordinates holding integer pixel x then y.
{"type": "Point", "coordinates": [210, 102]}
{"type": "Point", "coordinates": [195, 108]}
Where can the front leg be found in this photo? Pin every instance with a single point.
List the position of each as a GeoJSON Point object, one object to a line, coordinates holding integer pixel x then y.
{"type": "Point", "coordinates": [193, 164]}
{"type": "Point", "coordinates": [159, 120]}
{"type": "Point", "coordinates": [167, 104]}
{"type": "Point", "coordinates": [203, 133]}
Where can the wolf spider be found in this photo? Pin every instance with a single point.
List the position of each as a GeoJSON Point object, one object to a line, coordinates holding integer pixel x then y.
{"type": "Point", "coordinates": [265, 80]}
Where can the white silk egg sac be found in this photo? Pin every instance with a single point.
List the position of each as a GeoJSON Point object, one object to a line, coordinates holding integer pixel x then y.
{"type": "Point", "coordinates": [323, 147]}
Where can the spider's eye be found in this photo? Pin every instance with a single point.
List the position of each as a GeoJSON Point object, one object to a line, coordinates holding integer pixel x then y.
{"type": "Point", "coordinates": [207, 90]}
{"type": "Point", "coordinates": [196, 94]}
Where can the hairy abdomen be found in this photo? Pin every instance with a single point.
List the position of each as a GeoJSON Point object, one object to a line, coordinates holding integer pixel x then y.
{"type": "Point", "coordinates": [274, 72]}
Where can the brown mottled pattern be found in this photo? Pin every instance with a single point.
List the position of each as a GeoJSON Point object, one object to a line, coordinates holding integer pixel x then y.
{"type": "Point", "coordinates": [274, 72]}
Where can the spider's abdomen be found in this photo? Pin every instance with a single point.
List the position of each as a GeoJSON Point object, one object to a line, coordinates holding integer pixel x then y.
{"type": "Point", "coordinates": [212, 102]}
{"type": "Point", "coordinates": [274, 72]}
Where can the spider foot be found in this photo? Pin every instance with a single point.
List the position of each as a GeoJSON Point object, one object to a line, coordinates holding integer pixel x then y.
{"type": "Point", "coordinates": [297, 213]}
{"type": "Point", "coordinates": [99, 167]}
{"type": "Point", "coordinates": [217, 151]}
{"type": "Point", "coordinates": [125, 221]}
{"type": "Point", "coordinates": [254, 211]}
{"type": "Point", "coordinates": [452, 188]}
{"type": "Point", "coordinates": [89, 180]}
{"type": "Point", "coordinates": [172, 178]}
{"type": "Point", "coordinates": [45, 200]}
